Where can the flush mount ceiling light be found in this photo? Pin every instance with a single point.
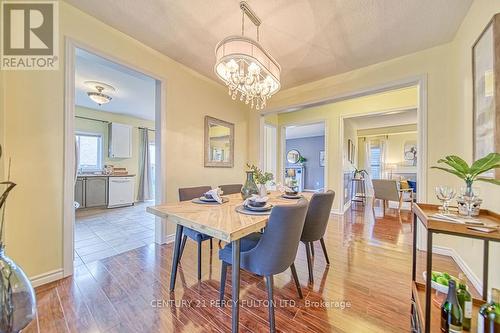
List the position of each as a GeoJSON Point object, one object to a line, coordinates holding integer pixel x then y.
{"type": "Point", "coordinates": [246, 67]}
{"type": "Point", "coordinates": [98, 96]}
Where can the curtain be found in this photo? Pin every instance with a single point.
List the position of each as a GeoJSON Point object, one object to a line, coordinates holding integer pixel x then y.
{"type": "Point", "coordinates": [145, 183]}
{"type": "Point", "coordinates": [368, 177]}
{"type": "Point", "coordinates": [383, 155]}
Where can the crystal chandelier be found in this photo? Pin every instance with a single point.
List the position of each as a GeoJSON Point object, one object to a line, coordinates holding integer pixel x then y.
{"type": "Point", "coordinates": [246, 67]}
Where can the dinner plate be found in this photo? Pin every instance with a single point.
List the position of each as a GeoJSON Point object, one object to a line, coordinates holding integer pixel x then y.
{"type": "Point", "coordinates": [207, 199]}
{"type": "Point", "coordinates": [296, 196]}
{"type": "Point", "coordinates": [259, 209]}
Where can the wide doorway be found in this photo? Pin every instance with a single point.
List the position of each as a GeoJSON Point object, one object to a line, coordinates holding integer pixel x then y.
{"type": "Point", "coordinates": [114, 127]}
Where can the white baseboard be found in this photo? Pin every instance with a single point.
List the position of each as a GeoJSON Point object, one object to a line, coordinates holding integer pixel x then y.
{"type": "Point", "coordinates": [170, 239]}
{"type": "Point", "coordinates": [48, 277]}
{"type": "Point", "coordinates": [473, 279]}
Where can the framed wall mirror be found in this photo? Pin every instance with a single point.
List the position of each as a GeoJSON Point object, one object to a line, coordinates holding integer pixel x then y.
{"type": "Point", "coordinates": [219, 143]}
{"type": "Point", "coordinates": [293, 156]}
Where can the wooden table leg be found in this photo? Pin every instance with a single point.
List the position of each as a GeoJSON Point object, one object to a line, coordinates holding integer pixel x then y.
{"type": "Point", "coordinates": [414, 262]}
{"type": "Point", "coordinates": [486, 255]}
{"type": "Point", "coordinates": [175, 260]}
{"type": "Point", "coordinates": [428, 283]}
{"type": "Point", "coordinates": [235, 274]}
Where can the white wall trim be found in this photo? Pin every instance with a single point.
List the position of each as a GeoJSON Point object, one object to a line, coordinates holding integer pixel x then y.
{"type": "Point", "coordinates": [48, 277]}
{"type": "Point", "coordinates": [471, 276]}
{"type": "Point", "coordinates": [69, 147]}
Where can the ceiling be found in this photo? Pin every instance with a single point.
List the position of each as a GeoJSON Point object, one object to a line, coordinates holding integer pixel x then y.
{"type": "Point", "coordinates": [135, 92]}
{"type": "Point", "coordinates": [305, 131]}
{"type": "Point", "coordinates": [394, 118]}
{"type": "Point", "coordinates": [311, 39]}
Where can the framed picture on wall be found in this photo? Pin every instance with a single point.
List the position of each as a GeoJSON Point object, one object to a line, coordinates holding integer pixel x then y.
{"type": "Point", "coordinates": [322, 158]}
{"type": "Point", "coordinates": [486, 92]}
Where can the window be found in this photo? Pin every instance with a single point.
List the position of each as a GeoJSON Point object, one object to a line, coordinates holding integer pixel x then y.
{"type": "Point", "coordinates": [89, 147]}
{"type": "Point", "coordinates": [375, 160]}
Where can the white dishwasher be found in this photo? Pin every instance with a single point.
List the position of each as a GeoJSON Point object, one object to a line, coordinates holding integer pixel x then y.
{"type": "Point", "coordinates": [120, 191]}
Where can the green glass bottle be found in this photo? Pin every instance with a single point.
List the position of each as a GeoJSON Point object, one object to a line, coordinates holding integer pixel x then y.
{"type": "Point", "coordinates": [488, 319]}
{"type": "Point", "coordinates": [451, 312]}
{"type": "Point", "coordinates": [465, 301]}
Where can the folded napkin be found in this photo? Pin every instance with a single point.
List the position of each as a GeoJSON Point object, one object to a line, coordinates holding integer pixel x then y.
{"type": "Point", "coordinates": [283, 188]}
{"type": "Point", "coordinates": [255, 198]}
{"type": "Point", "coordinates": [216, 194]}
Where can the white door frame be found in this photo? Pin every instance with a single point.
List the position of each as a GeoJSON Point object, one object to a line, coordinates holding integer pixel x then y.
{"type": "Point", "coordinates": [69, 147]}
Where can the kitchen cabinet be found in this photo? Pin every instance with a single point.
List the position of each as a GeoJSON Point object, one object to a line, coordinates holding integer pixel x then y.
{"type": "Point", "coordinates": [96, 192]}
{"type": "Point", "coordinates": [80, 192]}
{"type": "Point", "coordinates": [120, 140]}
{"type": "Point", "coordinates": [91, 191]}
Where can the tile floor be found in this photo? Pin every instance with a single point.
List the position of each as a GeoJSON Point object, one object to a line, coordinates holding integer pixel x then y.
{"type": "Point", "coordinates": [101, 233]}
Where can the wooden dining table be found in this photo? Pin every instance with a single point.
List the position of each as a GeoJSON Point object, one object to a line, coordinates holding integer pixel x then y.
{"type": "Point", "coordinates": [221, 221]}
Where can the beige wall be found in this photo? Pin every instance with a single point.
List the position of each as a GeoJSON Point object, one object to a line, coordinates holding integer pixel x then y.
{"type": "Point", "coordinates": [448, 71]}
{"type": "Point", "coordinates": [34, 125]}
{"type": "Point", "coordinates": [85, 125]}
{"type": "Point", "coordinates": [2, 123]}
{"type": "Point", "coordinates": [349, 134]}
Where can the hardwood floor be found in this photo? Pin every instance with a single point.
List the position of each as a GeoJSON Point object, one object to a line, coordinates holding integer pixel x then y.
{"type": "Point", "coordinates": [366, 288]}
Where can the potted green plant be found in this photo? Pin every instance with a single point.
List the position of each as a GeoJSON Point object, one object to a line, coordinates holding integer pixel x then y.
{"type": "Point", "coordinates": [261, 178]}
{"type": "Point", "coordinates": [359, 173]}
{"type": "Point", "coordinates": [471, 173]}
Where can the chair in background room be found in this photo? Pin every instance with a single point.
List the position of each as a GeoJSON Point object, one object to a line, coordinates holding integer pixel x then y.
{"type": "Point", "coordinates": [317, 218]}
{"type": "Point", "coordinates": [231, 188]}
{"type": "Point", "coordinates": [386, 190]}
{"type": "Point", "coordinates": [272, 252]}
{"type": "Point", "coordinates": [186, 194]}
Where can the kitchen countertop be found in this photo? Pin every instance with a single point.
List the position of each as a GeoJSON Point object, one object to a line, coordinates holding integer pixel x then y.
{"type": "Point", "coordinates": [95, 175]}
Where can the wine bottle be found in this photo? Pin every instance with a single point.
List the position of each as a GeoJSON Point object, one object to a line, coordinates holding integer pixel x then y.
{"type": "Point", "coordinates": [465, 301]}
{"type": "Point", "coordinates": [451, 312]}
{"type": "Point", "coordinates": [488, 319]}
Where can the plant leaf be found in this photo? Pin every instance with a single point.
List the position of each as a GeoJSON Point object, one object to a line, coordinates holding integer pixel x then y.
{"type": "Point", "coordinates": [452, 171]}
{"type": "Point", "coordinates": [456, 163]}
{"type": "Point", "coordinates": [490, 161]}
{"type": "Point", "coordinates": [489, 180]}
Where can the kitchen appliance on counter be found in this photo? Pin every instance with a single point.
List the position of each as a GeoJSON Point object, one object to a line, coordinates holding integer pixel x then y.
{"type": "Point", "coordinates": [120, 191]}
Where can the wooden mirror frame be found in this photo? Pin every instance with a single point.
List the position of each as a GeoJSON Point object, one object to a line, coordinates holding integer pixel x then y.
{"type": "Point", "coordinates": [211, 164]}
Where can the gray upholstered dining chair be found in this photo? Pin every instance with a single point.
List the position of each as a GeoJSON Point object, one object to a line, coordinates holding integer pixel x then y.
{"type": "Point", "coordinates": [272, 252]}
{"type": "Point", "coordinates": [317, 218]}
{"type": "Point", "coordinates": [185, 194]}
{"type": "Point", "coordinates": [231, 188]}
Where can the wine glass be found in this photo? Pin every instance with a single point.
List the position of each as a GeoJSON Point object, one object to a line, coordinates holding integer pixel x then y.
{"type": "Point", "coordinates": [445, 194]}
{"type": "Point", "coordinates": [469, 195]}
